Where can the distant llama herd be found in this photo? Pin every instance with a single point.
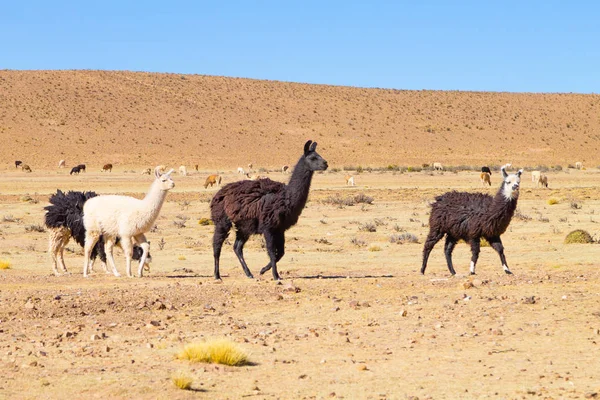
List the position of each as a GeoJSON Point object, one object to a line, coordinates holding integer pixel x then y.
{"type": "Point", "coordinates": [258, 205]}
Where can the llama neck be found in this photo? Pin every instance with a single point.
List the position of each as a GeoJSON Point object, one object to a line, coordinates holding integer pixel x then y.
{"type": "Point", "coordinates": [502, 210]}
{"type": "Point", "coordinates": [299, 185]}
{"type": "Point", "coordinates": [153, 201]}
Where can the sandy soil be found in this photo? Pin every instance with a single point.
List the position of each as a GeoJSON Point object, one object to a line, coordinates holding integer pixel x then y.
{"type": "Point", "coordinates": [131, 119]}
{"type": "Point", "coordinates": [352, 319]}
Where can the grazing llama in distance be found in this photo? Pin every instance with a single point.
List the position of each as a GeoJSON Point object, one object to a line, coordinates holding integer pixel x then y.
{"type": "Point", "coordinates": [485, 177]}
{"type": "Point", "coordinates": [535, 176]}
{"type": "Point", "coordinates": [75, 170]}
{"type": "Point", "coordinates": [62, 164]}
{"type": "Point", "coordinates": [542, 181]}
{"type": "Point", "coordinates": [471, 216]}
{"type": "Point", "coordinates": [486, 169]}
{"type": "Point", "coordinates": [196, 167]}
{"type": "Point", "coordinates": [241, 171]}
{"type": "Point", "coordinates": [212, 180]}
{"type": "Point", "coordinates": [579, 165]}
{"type": "Point", "coordinates": [64, 220]}
{"type": "Point", "coordinates": [182, 170]}
{"type": "Point", "coordinates": [147, 171]}
{"type": "Point", "coordinates": [285, 169]}
{"type": "Point", "coordinates": [81, 167]}
{"type": "Point", "coordinates": [107, 167]}
{"type": "Point", "coordinates": [161, 169]}
{"type": "Point", "coordinates": [25, 167]}
{"type": "Point", "coordinates": [263, 207]}
{"type": "Point", "coordinates": [113, 216]}
{"type": "Point", "coordinates": [349, 180]}
{"type": "Point", "coordinates": [437, 166]}
{"type": "Point", "coordinates": [18, 163]}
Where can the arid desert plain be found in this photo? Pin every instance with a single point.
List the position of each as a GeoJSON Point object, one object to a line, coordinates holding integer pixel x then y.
{"type": "Point", "coordinates": [353, 317]}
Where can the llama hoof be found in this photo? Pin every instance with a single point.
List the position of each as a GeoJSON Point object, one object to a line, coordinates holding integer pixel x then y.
{"type": "Point", "coordinates": [251, 276]}
{"type": "Point", "coordinates": [472, 273]}
{"type": "Point", "coordinates": [508, 272]}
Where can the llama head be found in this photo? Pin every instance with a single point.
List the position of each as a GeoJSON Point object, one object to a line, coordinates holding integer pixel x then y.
{"type": "Point", "coordinates": [313, 160]}
{"type": "Point", "coordinates": [510, 185]}
{"type": "Point", "coordinates": [164, 180]}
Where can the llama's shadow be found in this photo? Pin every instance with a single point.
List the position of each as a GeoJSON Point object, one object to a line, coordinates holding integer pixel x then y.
{"type": "Point", "coordinates": [342, 277]}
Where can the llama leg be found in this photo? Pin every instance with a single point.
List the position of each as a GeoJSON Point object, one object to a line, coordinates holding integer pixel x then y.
{"type": "Point", "coordinates": [66, 235]}
{"type": "Point", "coordinates": [238, 249]}
{"type": "Point", "coordinates": [108, 249]}
{"type": "Point", "coordinates": [222, 228]}
{"type": "Point", "coordinates": [90, 241]}
{"type": "Point", "coordinates": [475, 246]}
{"type": "Point", "coordinates": [279, 248]}
{"type": "Point", "coordinates": [55, 240]}
{"type": "Point", "coordinates": [448, 248]}
{"type": "Point", "coordinates": [431, 240]}
{"type": "Point", "coordinates": [127, 247]}
{"type": "Point", "coordinates": [143, 243]}
{"type": "Point", "coordinates": [270, 238]}
{"type": "Point", "coordinates": [496, 244]}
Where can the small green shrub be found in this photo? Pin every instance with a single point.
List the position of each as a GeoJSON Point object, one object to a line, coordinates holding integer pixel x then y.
{"type": "Point", "coordinates": [579, 236]}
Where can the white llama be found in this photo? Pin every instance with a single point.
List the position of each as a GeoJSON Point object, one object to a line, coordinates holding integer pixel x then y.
{"type": "Point", "coordinates": [182, 170]}
{"type": "Point", "coordinates": [126, 217]}
{"type": "Point", "coordinates": [349, 180]}
{"type": "Point", "coordinates": [62, 164]}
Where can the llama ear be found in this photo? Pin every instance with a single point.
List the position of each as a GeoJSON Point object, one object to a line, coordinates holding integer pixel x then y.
{"type": "Point", "coordinates": [307, 147]}
{"type": "Point", "coordinates": [170, 172]}
{"type": "Point", "coordinates": [157, 172]}
{"type": "Point", "coordinates": [520, 172]}
{"type": "Point", "coordinates": [313, 146]}
{"type": "Point", "coordinates": [503, 169]}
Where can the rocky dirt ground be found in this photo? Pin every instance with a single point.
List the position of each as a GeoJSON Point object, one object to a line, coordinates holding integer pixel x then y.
{"type": "Point", "coordinates": [353, 317]}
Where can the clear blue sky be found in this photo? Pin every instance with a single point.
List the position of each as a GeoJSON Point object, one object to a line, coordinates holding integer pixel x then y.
{"type": "Point", "coordinates": [516, 46]}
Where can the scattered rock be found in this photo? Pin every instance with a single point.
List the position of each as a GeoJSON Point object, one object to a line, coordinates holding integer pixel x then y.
{"type": "Point", "coordinates": [403, 313]}
{"type": "Point", "coordinates": [289, 288]}
{"type": "Point", "coordinates": [354, 304]}
{"type": "Point", "coordinates": [591, 395]}
{"type": "Point", "coordinates": [529, 300]}
{"type": "Point", "coordinates": [468, 285]}
{"type": "Point", "coordinates": [362, 367]}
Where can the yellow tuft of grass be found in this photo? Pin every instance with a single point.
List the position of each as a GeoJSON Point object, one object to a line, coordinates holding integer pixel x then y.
{"type": "Point", "coordinates": [552, 201]}
{"type": "Point", "coordinates": [578, 236]}
{"type": "Point", "coordinates": [374, 248]}
{"type": "Point", "coordinates": [205, 221]}
{"type": "Point", "coordinates": [181, 258]}
{"type": "Point", "coordinates": [5, 264]}
{"type": "Point", "coordinates": [217, 351]}
{"type": "Point", "coordinates": [182, 381]}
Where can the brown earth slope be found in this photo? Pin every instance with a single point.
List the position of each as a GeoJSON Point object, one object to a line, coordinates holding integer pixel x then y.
{"type": "Point", "coordinates": [132, 118]}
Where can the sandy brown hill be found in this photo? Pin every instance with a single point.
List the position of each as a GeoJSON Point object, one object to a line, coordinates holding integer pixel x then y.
{"type": "Point", "coordinates": [131, 119]}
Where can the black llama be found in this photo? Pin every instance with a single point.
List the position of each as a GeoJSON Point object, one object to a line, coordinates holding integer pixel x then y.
{"type": "Point", "coordinates": [263, 207]}
{"type": "Point", "coordinates": [471, 216]}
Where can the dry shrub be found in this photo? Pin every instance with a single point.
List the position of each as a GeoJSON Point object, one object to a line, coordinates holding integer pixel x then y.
{"type": "Point", "coordinates": [205, 221]}
{"type": "Point", "coordinates": [404, 238]}
{"type": "Point", "coordinates": [552, 201]}
{"type": "Point", "coordinates": [219, 351]}
{"type": "Point", "coordinates": [579, 236]}
{"type": "Point", "coordinates": [182, 381]}
{"type": "Point", "coordinates": [4, 264]}
{"type": "Point", "coordinates": [374, 248]}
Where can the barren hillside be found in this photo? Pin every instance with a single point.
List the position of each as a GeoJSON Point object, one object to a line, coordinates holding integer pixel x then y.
{"type": "Point", "coordinates": [132, 119]}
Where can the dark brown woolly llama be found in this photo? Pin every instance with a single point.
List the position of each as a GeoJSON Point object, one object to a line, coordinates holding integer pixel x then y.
{"type": "Point", "coordinates": [471, 216]}
{"type": "Point", "coordinates": [263, 207]}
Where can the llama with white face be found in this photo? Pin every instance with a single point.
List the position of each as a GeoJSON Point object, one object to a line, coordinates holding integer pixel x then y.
{"type": "Point", "coordinates": [471, 216]}
{"type": "Point", "coordinates": [113, 216]}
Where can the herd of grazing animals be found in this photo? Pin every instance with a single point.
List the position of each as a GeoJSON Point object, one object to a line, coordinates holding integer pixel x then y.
{"type": "Point", "coordinates": [262, 206]}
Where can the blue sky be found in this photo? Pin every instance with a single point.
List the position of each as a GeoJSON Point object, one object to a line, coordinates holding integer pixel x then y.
{"type": "Point", "coordinates": [515, 46]}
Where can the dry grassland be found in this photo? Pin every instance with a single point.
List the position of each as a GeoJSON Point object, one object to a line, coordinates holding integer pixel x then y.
{"type": "Point", "coordinates": [352, 319]}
